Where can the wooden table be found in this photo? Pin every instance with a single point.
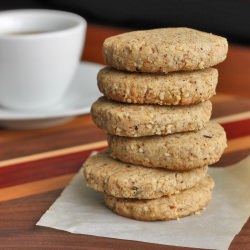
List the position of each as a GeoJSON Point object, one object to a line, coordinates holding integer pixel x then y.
{"type": "Point", "coordinates": [36, 165]}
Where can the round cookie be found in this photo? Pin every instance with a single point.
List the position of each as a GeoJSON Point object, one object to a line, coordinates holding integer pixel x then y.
{"type": "Point", "coordinates": [180, 88]}
{"type": "Point", "coordinates": [185, 203]}
{"type": "Point", "coordinates": [164, 50]}
{"type": "Point", "coordinates": [181, 151]}
{"type": "Point", "coordinates": [135, 120]}
{"type": "Point", "coordinates": [119, 179]}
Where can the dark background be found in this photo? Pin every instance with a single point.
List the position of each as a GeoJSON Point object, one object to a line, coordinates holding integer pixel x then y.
{"type": "Point", "coordinates": [229, 18]}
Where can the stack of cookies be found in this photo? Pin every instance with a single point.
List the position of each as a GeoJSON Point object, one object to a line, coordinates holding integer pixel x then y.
{"type": "Point", "coordinates": [159, 134]}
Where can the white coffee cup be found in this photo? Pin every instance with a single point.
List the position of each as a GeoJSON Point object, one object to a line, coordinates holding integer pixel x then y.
{"type": "Point", "coordinates": [39, 53]}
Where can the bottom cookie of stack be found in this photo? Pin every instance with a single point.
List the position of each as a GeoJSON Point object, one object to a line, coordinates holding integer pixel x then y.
{"type": "Point", "coordinates": [144, 193]}
{"type": "Point", "coordinates": [187, 202]}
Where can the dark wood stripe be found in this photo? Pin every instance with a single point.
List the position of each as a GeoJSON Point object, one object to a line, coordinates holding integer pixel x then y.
{"type": "Point", "coordinates": [42, 169]}
{"type": "Point", "coordinates": [237, 129]}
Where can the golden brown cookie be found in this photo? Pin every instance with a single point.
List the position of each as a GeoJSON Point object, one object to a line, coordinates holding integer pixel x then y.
{"type": "Point", "coordinates": [180, 88]}
{"type": "Point", "coordinates": [164, 50]}
{"type": "Point", "coordinates": [181, 151]}
{"type": "Point", "coordinates": [135, 120]}
{"type": "Point", "coordinates": [185, 203]}
{"type": "Point", "coordinates": [119, 179]}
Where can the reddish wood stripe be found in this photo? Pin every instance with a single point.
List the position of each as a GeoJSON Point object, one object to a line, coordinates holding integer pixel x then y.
{"type": "Point", "coordinates": [237, 128]}
{"type": "Point", "coordinates": [42, 169]}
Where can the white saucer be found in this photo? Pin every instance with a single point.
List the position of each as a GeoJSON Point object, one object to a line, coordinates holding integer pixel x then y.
{"type": "Point", "coordinates": [82, 93]}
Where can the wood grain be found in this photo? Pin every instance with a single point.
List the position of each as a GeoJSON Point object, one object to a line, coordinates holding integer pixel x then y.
{"type": "Point", "coordinates": [15, 143]}
{"type": "Point", "coordinates": [49, 154]}
{"type": "Point", "coordinates": [237, 144]}
{"type": "Point", "coordinates": [35, 187]}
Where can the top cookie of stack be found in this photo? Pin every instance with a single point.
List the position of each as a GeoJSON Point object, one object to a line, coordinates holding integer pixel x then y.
{"type": "Point", "coordinates": [161, 51]}
{"type": "Point", "coordinates": [164, 50]}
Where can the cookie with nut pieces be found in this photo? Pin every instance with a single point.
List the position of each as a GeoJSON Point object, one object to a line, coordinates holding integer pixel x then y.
{"type": "Point", "coordinates": [180, 88]}
{"type": "Point", "coordinates": [164, 50]}
{"type": "Point", "coordinates": [134, 120]}
{"type": "Point", "coordinates": [119, 179]}
{"type": "Point", "coordinates": [180, 151]}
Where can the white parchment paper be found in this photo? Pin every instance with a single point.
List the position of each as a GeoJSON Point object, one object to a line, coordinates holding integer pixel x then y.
{"type": "Point", "coordinates": [81, 210]}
